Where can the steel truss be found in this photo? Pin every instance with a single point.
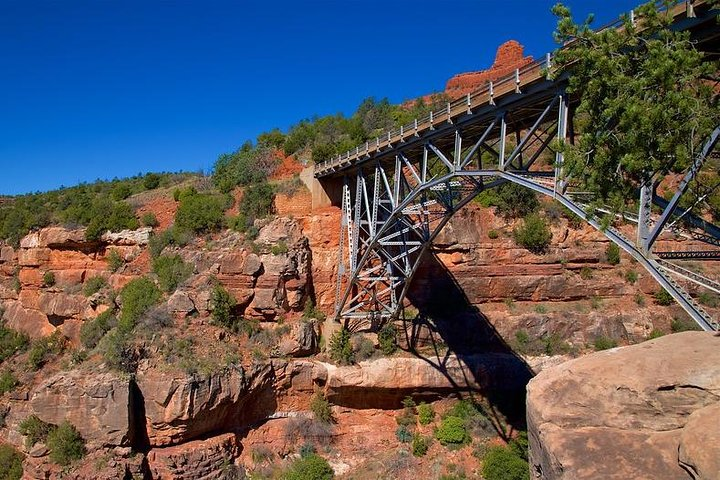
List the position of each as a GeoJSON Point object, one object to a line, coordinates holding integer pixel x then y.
{"type": "Point", "coordinates": [396, 202]}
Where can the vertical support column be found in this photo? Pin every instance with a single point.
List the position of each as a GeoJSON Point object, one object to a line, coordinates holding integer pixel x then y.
{"type": "Point", "coordinates": [457, 159]}
{"type": "Point", "coordinates": [559, 183]}
{"type": "Point", "coordinates": [344, 227]}
{"type": "Point", "coordinates": [356, 223]}
{"type": "Point", "coordinates": [643, 229]}
{"type": "Point", "coordinates": [398, 176]}
{"type": "Point", "coordinates": [376, 201]}
{"type": "Point", "coordinates": [503, 134]}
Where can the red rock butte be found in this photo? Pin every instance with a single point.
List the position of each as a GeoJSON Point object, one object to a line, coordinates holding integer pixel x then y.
{"type": "Point", "coordinates": [509, 56]}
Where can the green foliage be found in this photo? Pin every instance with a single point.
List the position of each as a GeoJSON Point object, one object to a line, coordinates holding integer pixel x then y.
{"type": "Point", "coordinates": [114, 260]}
{"type": "Point", "coordinates": [108, 216]}
{"type": "Point", "coordinates": [452, 431]}
{"type": "Point", "coordinates": [151, 181]}
{"type": "Point", "coordinates": [709, 299]}
{"type": "Point", "coordinates": [149, 220]}
{"type": "Point", "coordinates": [8, 382]}
{"type": "Point", "coordinates": [11, 342]}
{"type": "Point", "coordinates": [93, 285]}
{"type": "Point", "coordinates": [662, 297]}
{"type": "Point", "coordinates": [274, 139]}
{"type": "Point", "coordinates": [426, 414]}
{"type": "Point", "coordinates": [683, 325]}
{"type": "Point", "coordinates": [420, 445]}
{"type": "Point", "coordinates": [493, 234]}
{"type": "Point", "coordinates": [34, 430]}
{"type": "Point", "coordinates": [502, 463]}
{"type": "Point", "coordinates": [257, 201]}
{"type": "Point", "coordinates": [387, 338]}
{"type": "Point", "coordinates": [171, 271]}
{"type": "Point", "coordinates": [363, 348]}
{"type": "Point", "coordinates": [341, 349]}
{"type": "Point", "coordinates": [604, 343]}
{"type": "Point", "coordinates": [612, 253]}
{"type": "Point", "coordinates": [655, 333]}
{"type": "Point", "coordinates": [309, 467]}
{"type": "Point", "coordinates": [10, 463]}
{"type": "Point", "coordinates": [65, 444]}
{"type": "Point", "coordinates": [48, 279]}
{"type": "Point", "coordinates": [403, 434]}
{"type": "Point", "coordinates": [533, 234]}
{"type": "Point", "coordinates": [514, 201]}
{"type": "Point", "coordinates": [321, 408]}
{"type": "Point", "coordinates": [93, 330]}
{"type": "Point", "coordinates": [245, 166]}
{"type": "Point", "coordinates": [643, 106]}
{"type": "Point", "coordinates": [43, 348]}
{"type": "Point", "coordinates": [121, 191]}
{"type": "Point", "coordinates": [200, 213]}
{"type": "Point", "coordinates": [522, 341]}
{"type": "Point", "coordinates": [631, 276]}
{"type": "Point", "coordinates": [222, 304]}
{"type": "Point", "coordinates": [586, 273]}
{"type": "Point", "coordinates": [311, 311]}
{"type": "Point", "coordinates": [116, 351]}
{"type": "Point", "coordinates": [137, 296]}
{"type": "Point", "coordinates": [172, 236]}
{"type": "Point", "coordinates": [279, 248]}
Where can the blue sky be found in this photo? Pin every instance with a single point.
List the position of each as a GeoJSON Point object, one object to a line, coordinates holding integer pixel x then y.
{"type": "Point", "coordinates": [103, 88]}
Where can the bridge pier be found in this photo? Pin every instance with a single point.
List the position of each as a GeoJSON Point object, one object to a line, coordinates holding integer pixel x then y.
{"type": "Point", "coordinates": [324, 194]}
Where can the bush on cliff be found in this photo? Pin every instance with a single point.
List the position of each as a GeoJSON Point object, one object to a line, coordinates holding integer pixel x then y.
{"type": "Point", "coordinates": [341, 349]}
{"type": "Point", "coordinates": [109, 216]}
{"type": "Point", "coordinates": [502, 463]}
{"type": "Point", "coordinates": [11, 342]}
{"type": "Point", "coordinates": [257, 201]}
{"type": "Point", "coordinates": [533, 234]}
{"type": "Point", "coordinates": [8, 382]}
{"type": "Point", "coordinates": [137, 297]}
{"type": "Point", "coordinates": [10, 463]}
{"type": "Point", "coordinates": [452, 432]}
{"type": "Point", "coordinates": [309, 467]}
{"type": "Point", "coordinates": [172, 236]}
{"type": "Point", "coordinates": [200, 213]}
{"type": "Point", "coordinates": [92, 331]}
{"type": "Point", "coordinates": [245, 166]}
{"type": "Point", "coordinates": [171, 271]}
{"type": "Point", "coordinates": [222, 304]}
{"type": "Point", "coordinates": [65, 444]}
{"type": "Point", "coordinates": [34, 430]}
{"type": "Point", "coordinates": [43, 348]}
{"type": "Point", "coordinates": [93, 285]}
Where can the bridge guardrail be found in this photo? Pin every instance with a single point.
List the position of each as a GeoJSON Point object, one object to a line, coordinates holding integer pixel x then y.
{"type": "Point", "coordinates": [519, 78]}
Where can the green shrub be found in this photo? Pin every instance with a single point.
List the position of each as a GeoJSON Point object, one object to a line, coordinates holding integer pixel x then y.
{"type": "Point", "coordinates": [42, 348]}
{"type": "Point", "coordinates": [11, 342]}
{"type": "Point", "coordinates": [171, 271]}
{"type": "Point", "coordinates": [612, 253]}
{"type": "Point", "coordinates": [151, 181]}
{"type": "Point", "coordinates": [257, 200]}
{"type": "Point", "coordinates": [48, 279]}
{"type": "Point", "coordinates": [8, 382]}
{"type": "Point", "coordinates": [363, 348]}
{"type": "Point", "coordinates": [340, 347]}
{"type": "Point", "coordinates": [121, 191]}
{"type": "Point", "coordinates": [493, 234]}
{"type": "Point", "coordinates": [112, 217]}
{"type": "Point", "coordinates": [709, 299]}
{"type": "Point", "coordinates": [501, 463]}
{"type": "Point", "coordinates": [554, 344]}
{"type": "Point", "coordinates": [116, 351]}
{"type": "Point", "coordinates": [533, 234]}
{"type": "Point", "coordinates": [137, 296]}
{"type": "Point", "coordinates": [310, 467]}
{"type": "Point", "coordinates": [420, 445]}
{"type": "Point", "coordinates": [655, 333]}
{"type": "Point", "coordinates": [387, 338]}
{"type": "Point", "coordinates": [522, 341]}
{"type": "Point", "coordinates": [172, 236]}
{"type": "Point", "coordinates": [631, 276]}
{"type": "Point", "coordinates": [93, 285]}
{"type": "Point", "coordinates": [279, 248]}
{"type": "Point", "coordinates": [640, 299]}
{"type": "Point", "coordinates": [514, 201]}
{"type": "Point", "coordinates": [426, 414]}
{"type": "Point", "coordinates": [149, 220]}
{"type": "Point", "coordinates": [662, 297]}
{"type": "Point", "coordinates": [65, 444]}
{"type": "Point", "coordinates": [311, 311]}
{"type": "Point", "coordinates": [10, 463]}
{"type": "Point", "coordinates": [34, 430]}
{"type": "Point", "coordinates": [321, 408]}
{"type": "Point", "coordinates": [604, 343]}
{"type": "Point", "coordinates": [403, 434]}
{"type": "Point", "coordinates": [683, 325]}
{"type": "Point", "coordinates": [114, 260]}
{"type": "Point", "coordinates": [242, 167]}
{"type": "Point", "coordinates": [222, 304]}
{"type": "Point", "coordinates": [93, 330]}
{"type": "Point", "coordinates": [200, 213]}
{"type": "Point", "coordinates": [452, 432]}
{"type": "Point", "coordinates": [586, 273]}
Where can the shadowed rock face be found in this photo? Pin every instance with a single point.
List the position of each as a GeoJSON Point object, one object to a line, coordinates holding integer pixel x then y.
{"type": "Point", "coordinates": [625, 413]}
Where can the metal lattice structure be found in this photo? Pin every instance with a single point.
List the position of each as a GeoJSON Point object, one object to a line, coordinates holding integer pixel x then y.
{"type": "Point", "coordinates": [399, 192]}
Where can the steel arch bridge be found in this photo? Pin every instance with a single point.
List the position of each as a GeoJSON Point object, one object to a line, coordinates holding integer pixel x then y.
{"type": "Point", "coordinates": [399, 191]}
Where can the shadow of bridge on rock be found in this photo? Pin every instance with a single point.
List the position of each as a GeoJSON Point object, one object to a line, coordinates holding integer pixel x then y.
{"type": "Point", "coordinates": [457, 339]}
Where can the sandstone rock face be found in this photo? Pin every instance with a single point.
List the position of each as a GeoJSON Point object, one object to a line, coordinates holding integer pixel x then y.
{"type": "Point", "coordinates": [624, 413]}
{"type": "Point", "coordinates": [96, 403]}
{"type": "Point", "coordinates": [301, 342]}
{"type": "Point", "coordinates": [179, 408]}
{"type": "Point", "coordinates": [206, 459]}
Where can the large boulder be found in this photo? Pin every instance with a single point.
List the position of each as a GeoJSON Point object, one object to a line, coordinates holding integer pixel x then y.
{"type": "Point", "coordinates": [625, 413]}
{"type": "Point", "coordinates": [209, 458]}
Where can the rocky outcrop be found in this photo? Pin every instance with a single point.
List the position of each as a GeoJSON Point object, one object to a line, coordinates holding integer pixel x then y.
{"type": "Point", "coordinates": [206, 459]}
{"type": "Point", "coordinates": [179, 408]}
{"type": "Point", "coordinates": [625, 413]}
